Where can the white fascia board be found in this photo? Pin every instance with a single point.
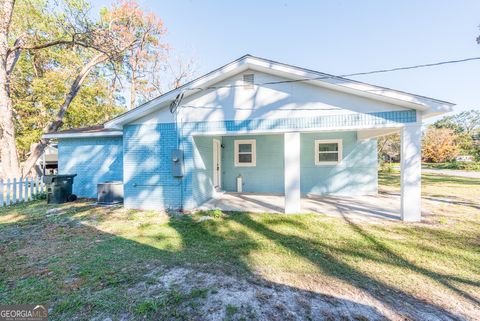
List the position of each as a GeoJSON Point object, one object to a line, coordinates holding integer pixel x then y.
{"type": "Point", "coordinates": [83, 135]}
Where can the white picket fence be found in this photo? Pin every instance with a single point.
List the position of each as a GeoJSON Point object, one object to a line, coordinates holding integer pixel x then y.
{"type": "Point", "coordinates": [20, 190]}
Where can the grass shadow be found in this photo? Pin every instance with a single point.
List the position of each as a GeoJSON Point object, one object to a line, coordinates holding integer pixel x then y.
{"type": "Point", "coordinates": [76, 263]}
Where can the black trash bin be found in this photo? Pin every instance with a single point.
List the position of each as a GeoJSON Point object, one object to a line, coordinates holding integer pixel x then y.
{"type": "Point", "coordinates": [59, 188]}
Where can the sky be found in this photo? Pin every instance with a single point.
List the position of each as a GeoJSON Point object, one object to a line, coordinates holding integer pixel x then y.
{"type": "Point", "coordinates": [337, 37]}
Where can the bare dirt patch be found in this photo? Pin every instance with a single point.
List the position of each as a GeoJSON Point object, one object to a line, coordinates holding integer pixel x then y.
{"type": "Point", "coordinates": [228, 297]}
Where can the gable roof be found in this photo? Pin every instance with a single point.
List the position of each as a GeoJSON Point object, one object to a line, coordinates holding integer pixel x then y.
{"type": "Point", "coordinates": [429, 106]}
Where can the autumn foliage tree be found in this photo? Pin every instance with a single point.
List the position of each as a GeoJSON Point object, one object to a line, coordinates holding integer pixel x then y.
{"type": "Point", "coordinates": [59, 30]}
{"type": "Point", "coordinates": [466, 126]}
{"type": "Point", "coordinates": [439, 145]}
{"type": "Point", "coordinates": [147, 55]}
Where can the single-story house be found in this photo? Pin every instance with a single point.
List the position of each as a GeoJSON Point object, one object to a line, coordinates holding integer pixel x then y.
{"type": "Point", "coordinates": [253, 125]}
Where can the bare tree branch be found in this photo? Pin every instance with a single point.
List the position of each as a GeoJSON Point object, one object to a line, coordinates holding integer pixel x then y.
{"type": "Point", "coordinates": [12, 59]}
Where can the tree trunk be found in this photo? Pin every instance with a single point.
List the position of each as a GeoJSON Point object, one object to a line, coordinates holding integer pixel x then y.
{"type": "Point", "coordinates": [8, 150]}
{"type": "Point", "coordinates": [133, 87]}
{"type": "Point", "coordinates": [133, 90]}
{"type": "Point", "coordinates": [39, 148]}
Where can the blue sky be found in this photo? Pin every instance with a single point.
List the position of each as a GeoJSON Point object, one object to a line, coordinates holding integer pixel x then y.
{"type": "Point", "coordinates": [337, 37]}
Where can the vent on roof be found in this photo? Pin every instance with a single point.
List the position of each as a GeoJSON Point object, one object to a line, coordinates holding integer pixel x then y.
{"type": "Point", "coordinates": [248, 81]}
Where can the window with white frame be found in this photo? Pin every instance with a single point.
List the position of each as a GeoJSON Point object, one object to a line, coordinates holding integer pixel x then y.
{"type": "Point", "coordinates": [245, 152]}
{"type": "Point", "coordinates": [328, 151]}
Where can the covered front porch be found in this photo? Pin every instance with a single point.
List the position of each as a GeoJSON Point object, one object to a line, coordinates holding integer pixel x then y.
{"type": "Point", "coordinates": [331, 172]}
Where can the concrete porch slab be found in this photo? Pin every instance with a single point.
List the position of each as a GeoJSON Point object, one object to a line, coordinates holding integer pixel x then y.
{"type": "Point", "coordinates": [381, 206]}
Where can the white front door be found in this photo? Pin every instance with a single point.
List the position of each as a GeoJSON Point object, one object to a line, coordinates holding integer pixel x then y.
{"type": "Point", "coordinates": [217, 164]}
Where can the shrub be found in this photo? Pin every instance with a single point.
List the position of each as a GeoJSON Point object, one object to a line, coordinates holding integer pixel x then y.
{"type": "Point", "coordinates": [212, 213]}
{"type": "Point", "coordinates": [466, 166]}
{"type": "Point", "coordinates": [215, 213]}
{"type": "Point", "coordinates": [439, 145]}
{"type": "Point", "coordinates": [386, 167]}
{"type": "Point", "coordinates": [40, 196]}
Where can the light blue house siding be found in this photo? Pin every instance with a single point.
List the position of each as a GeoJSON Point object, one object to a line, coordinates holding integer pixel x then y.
{"type": "Point", "coordinates": [266, 176]}
{"type": "Point", "coordinates": [94, 160]}
{"type": "Point", "coordinates": [146, 149]}
{"type": "Point", "coordinates": [148, 180]}
{"type": "Point", "coordinates": [356, 174]}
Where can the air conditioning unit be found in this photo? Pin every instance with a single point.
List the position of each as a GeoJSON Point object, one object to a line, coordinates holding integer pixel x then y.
{"type": "Point", "coordinates": [109, 193]}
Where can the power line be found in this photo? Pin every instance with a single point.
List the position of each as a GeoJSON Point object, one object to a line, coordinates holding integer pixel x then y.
{"type": "Point", "coordinates": [412, 67]}
{"type": "Point", "coordinates": [179, 97]}
{"type": "Point", "coordinates": [348, 75]}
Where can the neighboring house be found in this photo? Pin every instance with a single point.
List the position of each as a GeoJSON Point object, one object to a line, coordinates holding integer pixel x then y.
{"type": "Point", "coordinates": [464, 158]}
{"type": "Point", "coordinates": [282, 128]}
{"type": "Point", "coordinates": [47, 163]}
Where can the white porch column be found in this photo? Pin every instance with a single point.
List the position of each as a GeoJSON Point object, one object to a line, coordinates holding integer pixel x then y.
{"type": "Point", "coordinates": [292, 172]}
{"type": "Point", "coordinates": [410, 173]}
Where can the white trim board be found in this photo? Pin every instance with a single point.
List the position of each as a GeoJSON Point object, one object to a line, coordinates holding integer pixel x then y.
{"type": "Point", "coordinates": [83, 135]}
{"type": "Point", "coordinates": [217, 160]}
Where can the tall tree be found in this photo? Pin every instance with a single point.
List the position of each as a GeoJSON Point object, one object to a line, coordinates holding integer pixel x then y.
{"type": "Point", "coordinates": [389, 147]}
{"type": "Point", "coordinates": [106, 41]}
{"type": "Point", "coordinates": [181, 70]}
{"type": "Point", "coordinates": [39, 83]}
{"type": "Point", "coordinates": [8, 153]}
{"type": "Point", "coordinates": [466, 127]}
{"type": "Point", "coordinates": [138, 59]}
{"type": "Point", "coordinates": [465, 122]}
{"type": "Point", "coordinates": [153, 68]}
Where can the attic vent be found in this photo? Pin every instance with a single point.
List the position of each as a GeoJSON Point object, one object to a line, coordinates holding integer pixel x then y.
{"type": "Point", "coordinates": [248, 81]}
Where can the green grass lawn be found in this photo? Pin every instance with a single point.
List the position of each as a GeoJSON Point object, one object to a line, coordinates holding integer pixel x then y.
{"type": "Point", "coordinates": [464, 166]}
{"type": "Point", "coordinates": [86, 261]}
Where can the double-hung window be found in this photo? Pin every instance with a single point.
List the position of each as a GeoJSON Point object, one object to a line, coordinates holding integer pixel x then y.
{"type": "Point", "coordinates": [328, 152]}
{"type": "Point", "coordinates": [245, 152]}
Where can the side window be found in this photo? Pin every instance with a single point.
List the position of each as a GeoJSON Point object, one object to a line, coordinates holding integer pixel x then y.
{"type": "Point", "coordinates": [328, 152]}
{"type": "Point", "coordinates": [245, 152]}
